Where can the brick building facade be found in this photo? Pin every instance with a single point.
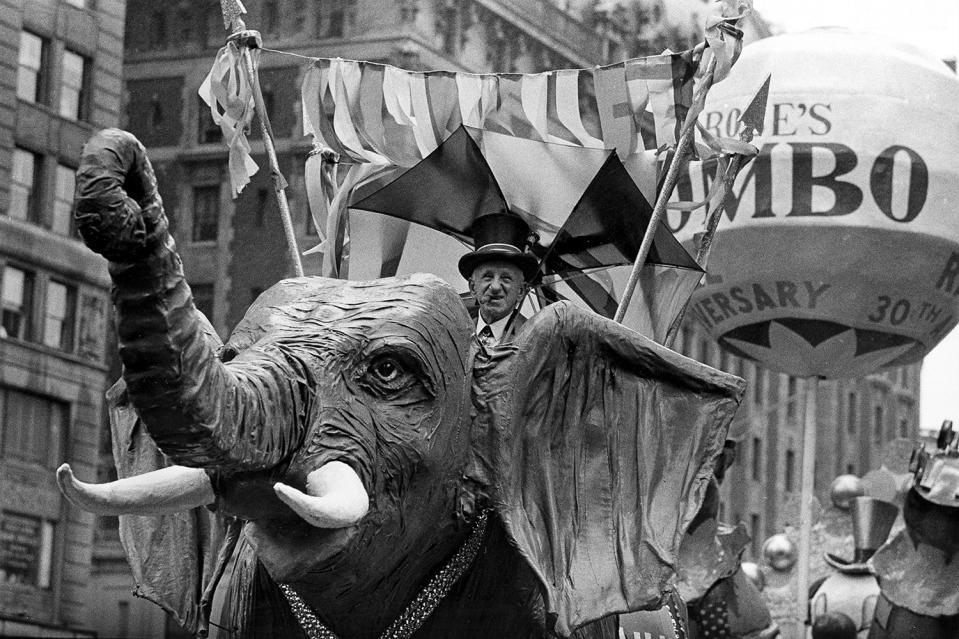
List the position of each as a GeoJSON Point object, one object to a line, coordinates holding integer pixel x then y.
{"type": "Point", "coordinates": [60, 80]}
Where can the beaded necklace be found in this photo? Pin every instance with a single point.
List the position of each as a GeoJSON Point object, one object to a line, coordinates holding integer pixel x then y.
{"type": "Point", "coordinates": [419, 609]}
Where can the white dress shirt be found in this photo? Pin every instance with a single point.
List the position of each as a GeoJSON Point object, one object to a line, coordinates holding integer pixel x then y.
{"type": "Point", "coordinates": [498, 327]}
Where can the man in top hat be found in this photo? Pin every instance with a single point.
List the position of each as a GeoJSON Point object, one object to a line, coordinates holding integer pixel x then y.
{"type": "Point", "coordinates": [853, 589]}
{"type": "Point", "coordinates": [499, 273]}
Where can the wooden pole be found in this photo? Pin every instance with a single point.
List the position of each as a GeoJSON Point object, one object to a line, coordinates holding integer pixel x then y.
{"type": "Point", "coordinates": [279, 183]}
{"type": "Point", "coordinates": [246, 40]}
{"type": "Point", "coordinates": [805, 504]}
{"type": "Point", "coordinates": [753, 119]}
{"type": "Point", "coordinates": [672, 175]}
{"type": "Point", "coordinates": [706, 243]}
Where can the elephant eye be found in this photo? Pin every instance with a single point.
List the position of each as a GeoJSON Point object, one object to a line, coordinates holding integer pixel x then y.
{"type": "Point", "coordinates": [391, 375]}
{"type": "Point", "coordinates": [386, 369]}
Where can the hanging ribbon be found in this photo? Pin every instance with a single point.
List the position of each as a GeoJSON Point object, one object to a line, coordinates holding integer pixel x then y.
{"type": "Point", "coordinates": [227, 91]}
{"type": "Point", "coordinates": [725, 40]}
{"type": "Point", "coordinates": [336, 215]}
{"type": "Point", "coordinates": [322, 162]}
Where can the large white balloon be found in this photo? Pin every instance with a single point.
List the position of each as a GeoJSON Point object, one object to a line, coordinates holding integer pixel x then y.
{"type": "Point", "coordinates": [841, 254]}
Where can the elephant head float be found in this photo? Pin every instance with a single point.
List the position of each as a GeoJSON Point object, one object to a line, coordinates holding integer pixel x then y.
{"type": "Point", "coordinates": [390, 477]}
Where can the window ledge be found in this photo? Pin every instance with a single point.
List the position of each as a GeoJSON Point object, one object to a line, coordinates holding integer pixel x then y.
{"type": "Point", "coordinates": [51, 111]}
{"type": "Point", "coordinates": [50, 351]}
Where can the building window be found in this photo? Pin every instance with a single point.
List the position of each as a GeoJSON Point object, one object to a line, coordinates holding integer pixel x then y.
{"type": "Point", "coordinates": [24, 178]}
{"type": "Point", "coordinates": [92, 312]}
{"type": "Point", "coordinates": [757, 459]}
{"type": "Point", "coordinates": [214, 26]}
{"type": "Point", "coordinates": [851, 413]}
{"type": "Point", "coordinates": [158, 29]}
{"type": "Point", "coordinates": [26, 550]}
{"type": "Point", "coordinates": [333, 18]}
{"type": "Point", "coordinates": [203, 299]}
{"type": "Point", "coordinates": [758, 386]}
{"type": "Point", "coordinates": [773, 381]}
{"type": "Point", "coordinates": [186, 24]}
{"type": "Point", "coordinates": [297, 16]}
{"type": "Point", "coordinates": [74, 86]}
{"type": "Point", "coordinates": [31, 68]}
{"type": "Point", "coordinates": [850, 469]}
{"type": "Point", "coordinates": [271, 16]}
{"type": "Point", "coordinates": [62, 221]}
{"type": "Point", "coordinates": [17, 300]}
{"type": "Point", "coordinates": [904, 427]}
{"type": "Point", "coordinates": [790, 471]}
{"type": "Point", "coordinates": [59, 315]}
{"type": "Point", "coordinates": [31, 427]}
{"type": "Point", "coordinates": [156, 112]}
{"type": "Point", "coordinates": [448, 25]}
{"type": "Point", "coordinates": [877, 425]}
{"type": "Point", "coordinates": [123, 615]}
{"type": "Point", "coordinates": [206, 213]}
{"type": "Point", "coordinates": [262, 202]}
{"type": "Point", "coordinates": [207, 131]}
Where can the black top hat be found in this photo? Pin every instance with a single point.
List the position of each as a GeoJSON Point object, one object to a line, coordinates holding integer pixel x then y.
{"type": "Point", "coordinates": [500, 236]}
{"type": "Point", "coordinates": [872, 519]}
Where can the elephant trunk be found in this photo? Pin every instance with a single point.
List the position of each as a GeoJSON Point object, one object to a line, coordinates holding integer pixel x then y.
{"type": "Point", "coordinates": [161, 492]}
{"type": "Point", "coordinates": [199, 411]}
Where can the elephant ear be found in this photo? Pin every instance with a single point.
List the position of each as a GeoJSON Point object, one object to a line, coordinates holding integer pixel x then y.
{"type": "Point", "coordinates": [598, 445]}
{"type": "Point", "coordinates": [172, 557]}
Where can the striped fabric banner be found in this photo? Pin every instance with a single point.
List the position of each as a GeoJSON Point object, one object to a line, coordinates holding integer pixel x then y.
{"type": "Point", "coordinates": [376, 113]}
{"type": "Point", "coordinates": [383, 120]}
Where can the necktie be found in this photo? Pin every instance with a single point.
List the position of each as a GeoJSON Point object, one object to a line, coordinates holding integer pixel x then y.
{"type": "Point", "coordinates": [485, 336]}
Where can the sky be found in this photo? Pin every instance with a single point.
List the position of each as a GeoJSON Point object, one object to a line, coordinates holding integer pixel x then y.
{"type": "Point", "coordinates": [929, 24]}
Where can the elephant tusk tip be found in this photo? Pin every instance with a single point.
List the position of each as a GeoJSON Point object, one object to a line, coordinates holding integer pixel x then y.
{"type": "Point", "coordinates": [333, 510]}
{"type": "Point", "coordinates": [65, 475]}
{"type": "Point", "coordinates": [163, 491]}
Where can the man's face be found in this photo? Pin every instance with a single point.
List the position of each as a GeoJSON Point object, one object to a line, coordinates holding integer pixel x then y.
{"type": "Point", "coordinates": [498, 287]}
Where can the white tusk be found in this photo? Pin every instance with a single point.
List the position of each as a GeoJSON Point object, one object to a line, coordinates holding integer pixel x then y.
{"type": "Point", "coordinates": [160, 492]}
{"type": "Point", "coordinates": [334, 497]}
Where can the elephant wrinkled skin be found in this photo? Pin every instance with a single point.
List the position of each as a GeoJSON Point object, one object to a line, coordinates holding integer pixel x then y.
{"type": "Point", "coordinates": [358, 436]}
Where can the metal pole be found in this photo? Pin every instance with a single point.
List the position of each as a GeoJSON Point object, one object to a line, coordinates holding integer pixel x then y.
{"type": "Point", "coordinates": [664, 194]}
{"type": "Point", "coordinates": [805, 503]}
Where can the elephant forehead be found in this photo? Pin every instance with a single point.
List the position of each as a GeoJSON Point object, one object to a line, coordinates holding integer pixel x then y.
{"type": "Point", "coordinates": [421, 308]}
